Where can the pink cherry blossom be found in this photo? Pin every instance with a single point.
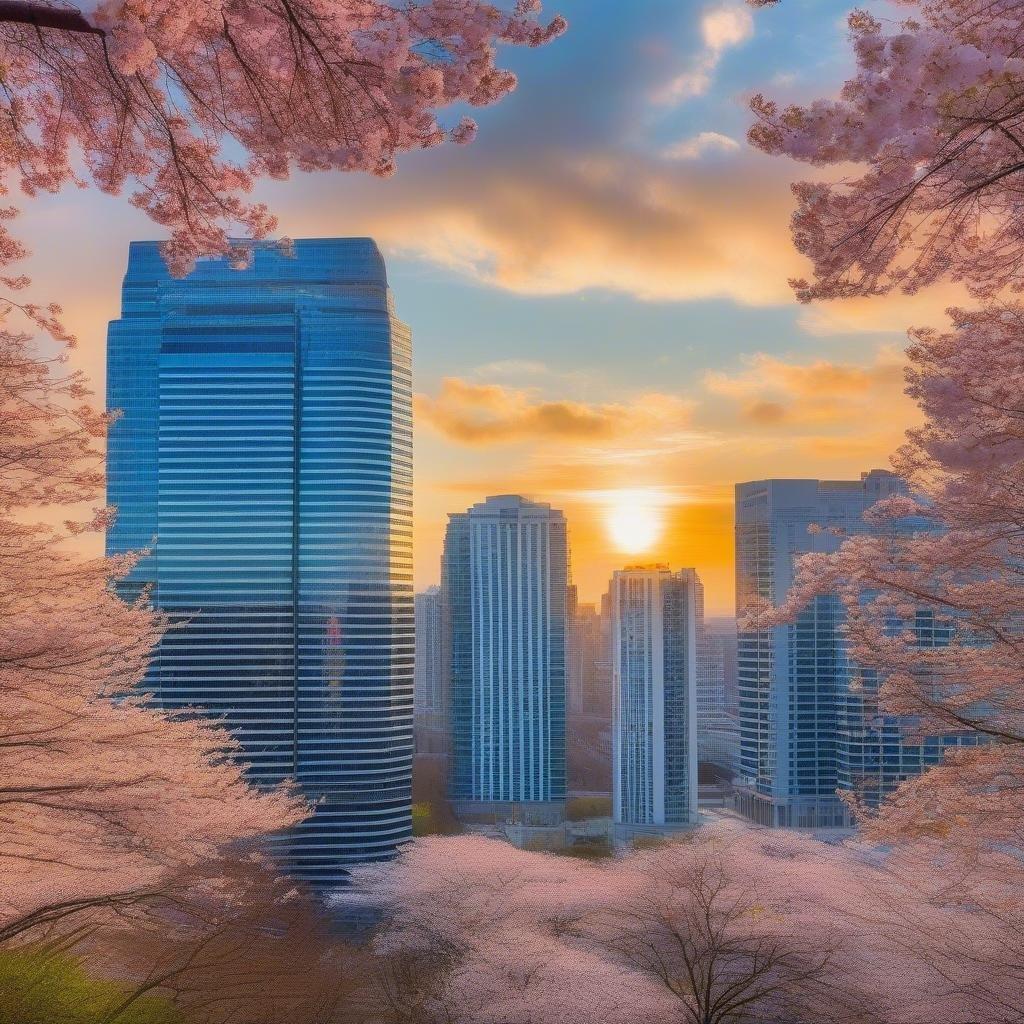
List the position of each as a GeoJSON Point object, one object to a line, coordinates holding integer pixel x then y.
{"type": "Point", "coordinates": [152, 92]}
{"type": "Point", "coordinates": [934, 121]}
{"type": "Point", "coordinates": [104, 802]}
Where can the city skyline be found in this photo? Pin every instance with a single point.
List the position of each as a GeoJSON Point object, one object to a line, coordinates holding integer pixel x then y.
{"type": "Point", "coordinates": [641, 643]}
{"type": "Point", "coordinates": [672, 362]}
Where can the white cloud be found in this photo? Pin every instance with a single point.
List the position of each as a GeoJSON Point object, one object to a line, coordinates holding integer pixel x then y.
{"type": "Point", "coordinates": [722, 28]}
{"type": "Point", "coordinates": [726, 26]}
{"type": "Point", "coordinates": [512, 368]}
{"type": "Point", "coordinates": [694, 148]}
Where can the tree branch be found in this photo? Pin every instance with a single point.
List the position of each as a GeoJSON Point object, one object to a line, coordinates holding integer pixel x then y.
{"type": "Point", "coordinates": [41, 15]}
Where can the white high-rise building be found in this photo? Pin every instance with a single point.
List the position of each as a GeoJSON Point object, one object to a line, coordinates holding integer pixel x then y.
{"type": "Point", "coordinates": [505, 576]}
{"type": "Point", "coordinates": [655, 625]}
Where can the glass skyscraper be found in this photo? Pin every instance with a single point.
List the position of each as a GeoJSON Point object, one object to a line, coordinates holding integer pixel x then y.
{"type": "Point", "coordinates": [806, 732]}
{"type": "Point", "coordinates": [505, 581]}
{"type": "Point", "coordinates": [657, 620]}
{"type": "Point", "coordinates": [264, 455]}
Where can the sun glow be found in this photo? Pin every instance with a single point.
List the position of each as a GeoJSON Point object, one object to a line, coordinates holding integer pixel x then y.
{"type": "Point", "coordinates": [634, 520]}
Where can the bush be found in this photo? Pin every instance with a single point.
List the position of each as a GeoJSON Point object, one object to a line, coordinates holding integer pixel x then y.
{"type": "Point", "coordinates": [599, 849]}
{"type": "Point", "coordinates": [39, 987]}
{"type": "Point", "coordinates": [434, 818]}
{"type": "Point", "coordinates": [582, 807]}
{"type": "Point", "coordinates": [650, 842]}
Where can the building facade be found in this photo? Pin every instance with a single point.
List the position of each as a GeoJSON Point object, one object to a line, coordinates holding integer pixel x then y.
{"type": "Point", "coordinates": [586, 696]}
{"type": "Point", "coordinates": [717, 724]}
{"type": "Point", "coordinates": [505, 583]}
{"type": "Point", "coordinates": [264, 454]}
{"type": "Point", "coordinates": [430, 691]}
{"type": "Point", "coordinates": [655, 625]}
{"type": "Point", "coordinates": [805, 733]}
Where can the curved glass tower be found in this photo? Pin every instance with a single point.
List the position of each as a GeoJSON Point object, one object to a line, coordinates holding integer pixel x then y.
{"type": "Point", "coordinates": [264, 453]}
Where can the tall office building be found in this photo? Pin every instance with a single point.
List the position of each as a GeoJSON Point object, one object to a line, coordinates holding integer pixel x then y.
{"type": "Point", "coordinates": [430, 688]}
{"type": "Point", "coordinates": [805, 732]}
{"type": "Point", "coordinates": [505, 580]}
{"type": "Point", "coordinates": [265, 443]}
{"type": "Point", "coordinates": [656, 623]}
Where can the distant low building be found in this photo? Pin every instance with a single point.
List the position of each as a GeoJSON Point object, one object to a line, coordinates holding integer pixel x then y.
{"type": "Point", "coordinates": [717, 722]}
{"type": "Point", "coordinates": [587, 696]}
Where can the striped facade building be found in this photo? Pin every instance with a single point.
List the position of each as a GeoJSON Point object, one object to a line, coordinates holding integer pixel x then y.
{"type": "Point", "coordinates": [656, 621]}
{"type": "Point", "coordinates": [810, 723]}
{"type": "Point", "coordinates": [504, 580]}
{"type": "Point", "coordinates": [264, 454]}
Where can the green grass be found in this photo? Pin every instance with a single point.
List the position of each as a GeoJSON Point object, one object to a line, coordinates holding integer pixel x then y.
{"type": "Point", "coordinates": [44, 988]}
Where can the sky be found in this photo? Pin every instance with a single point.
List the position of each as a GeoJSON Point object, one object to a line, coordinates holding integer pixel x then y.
{"type": "Point", "coordinates": [597, 287]}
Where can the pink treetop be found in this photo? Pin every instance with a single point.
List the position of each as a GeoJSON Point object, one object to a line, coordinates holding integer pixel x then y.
{"type": "Point", "coordinates": [536, 938]}
{"type": "Point", "coordinates": [935, 116]}
{"type": "Point", "coordinates": [156, 91]}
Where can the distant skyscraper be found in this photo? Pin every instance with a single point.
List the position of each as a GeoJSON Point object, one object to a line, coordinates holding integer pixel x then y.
{"type": "Point", "coordinates": [430, 688]}
{"type": "Point", "coordinates": [585, 697]}
{"type": "Point", "coordinates": [589, 749]}
{"type": "Point", "coordinates": [505, 578]}
{"type": "Point", "coordinates": [656, 622]}
{"type": "Point", "coordinates": [717, 725]}
{"type": "Point", "coordinates": [573, 653]}
{"type": "Point", "coordinates": [804, 731]}
{"type": "Point", "coordinates": [266, 445]}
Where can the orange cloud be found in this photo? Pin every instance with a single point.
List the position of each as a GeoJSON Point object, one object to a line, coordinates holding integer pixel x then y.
{"type": "Point", "coordinates": [822, 393]}
{"type": "Point", "coordinates": [564, 222]}
{"type": "Point", "coordinates": [491, 413]}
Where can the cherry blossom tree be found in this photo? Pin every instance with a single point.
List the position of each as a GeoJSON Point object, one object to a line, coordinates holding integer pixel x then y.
{"type": "Point", "coordinates": [102, 799]}
{"type": "Point", "coordinates": [478, 932]}
{"type": "Point", "coordinates": [155, 92]}
{"type": "Point", "coordinates": [725, 926]}
{"type": "Point", "coordinates": [933, 120]}
{"type": "Point", "coordinates": [707, 929]}
{"type": "Point", "coordinates": [934, 116]}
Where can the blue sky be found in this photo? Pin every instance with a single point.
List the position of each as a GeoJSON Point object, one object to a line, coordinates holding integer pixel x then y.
{"type": "Point", "coordinates": [597, 285]}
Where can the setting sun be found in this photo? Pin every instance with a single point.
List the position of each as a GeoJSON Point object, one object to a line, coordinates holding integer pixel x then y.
{"type": "Point", "coordinates": [634, 521]}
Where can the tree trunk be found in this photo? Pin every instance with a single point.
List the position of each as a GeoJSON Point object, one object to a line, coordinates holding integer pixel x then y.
{"type": "Point", "coordinates": [41, 15]}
